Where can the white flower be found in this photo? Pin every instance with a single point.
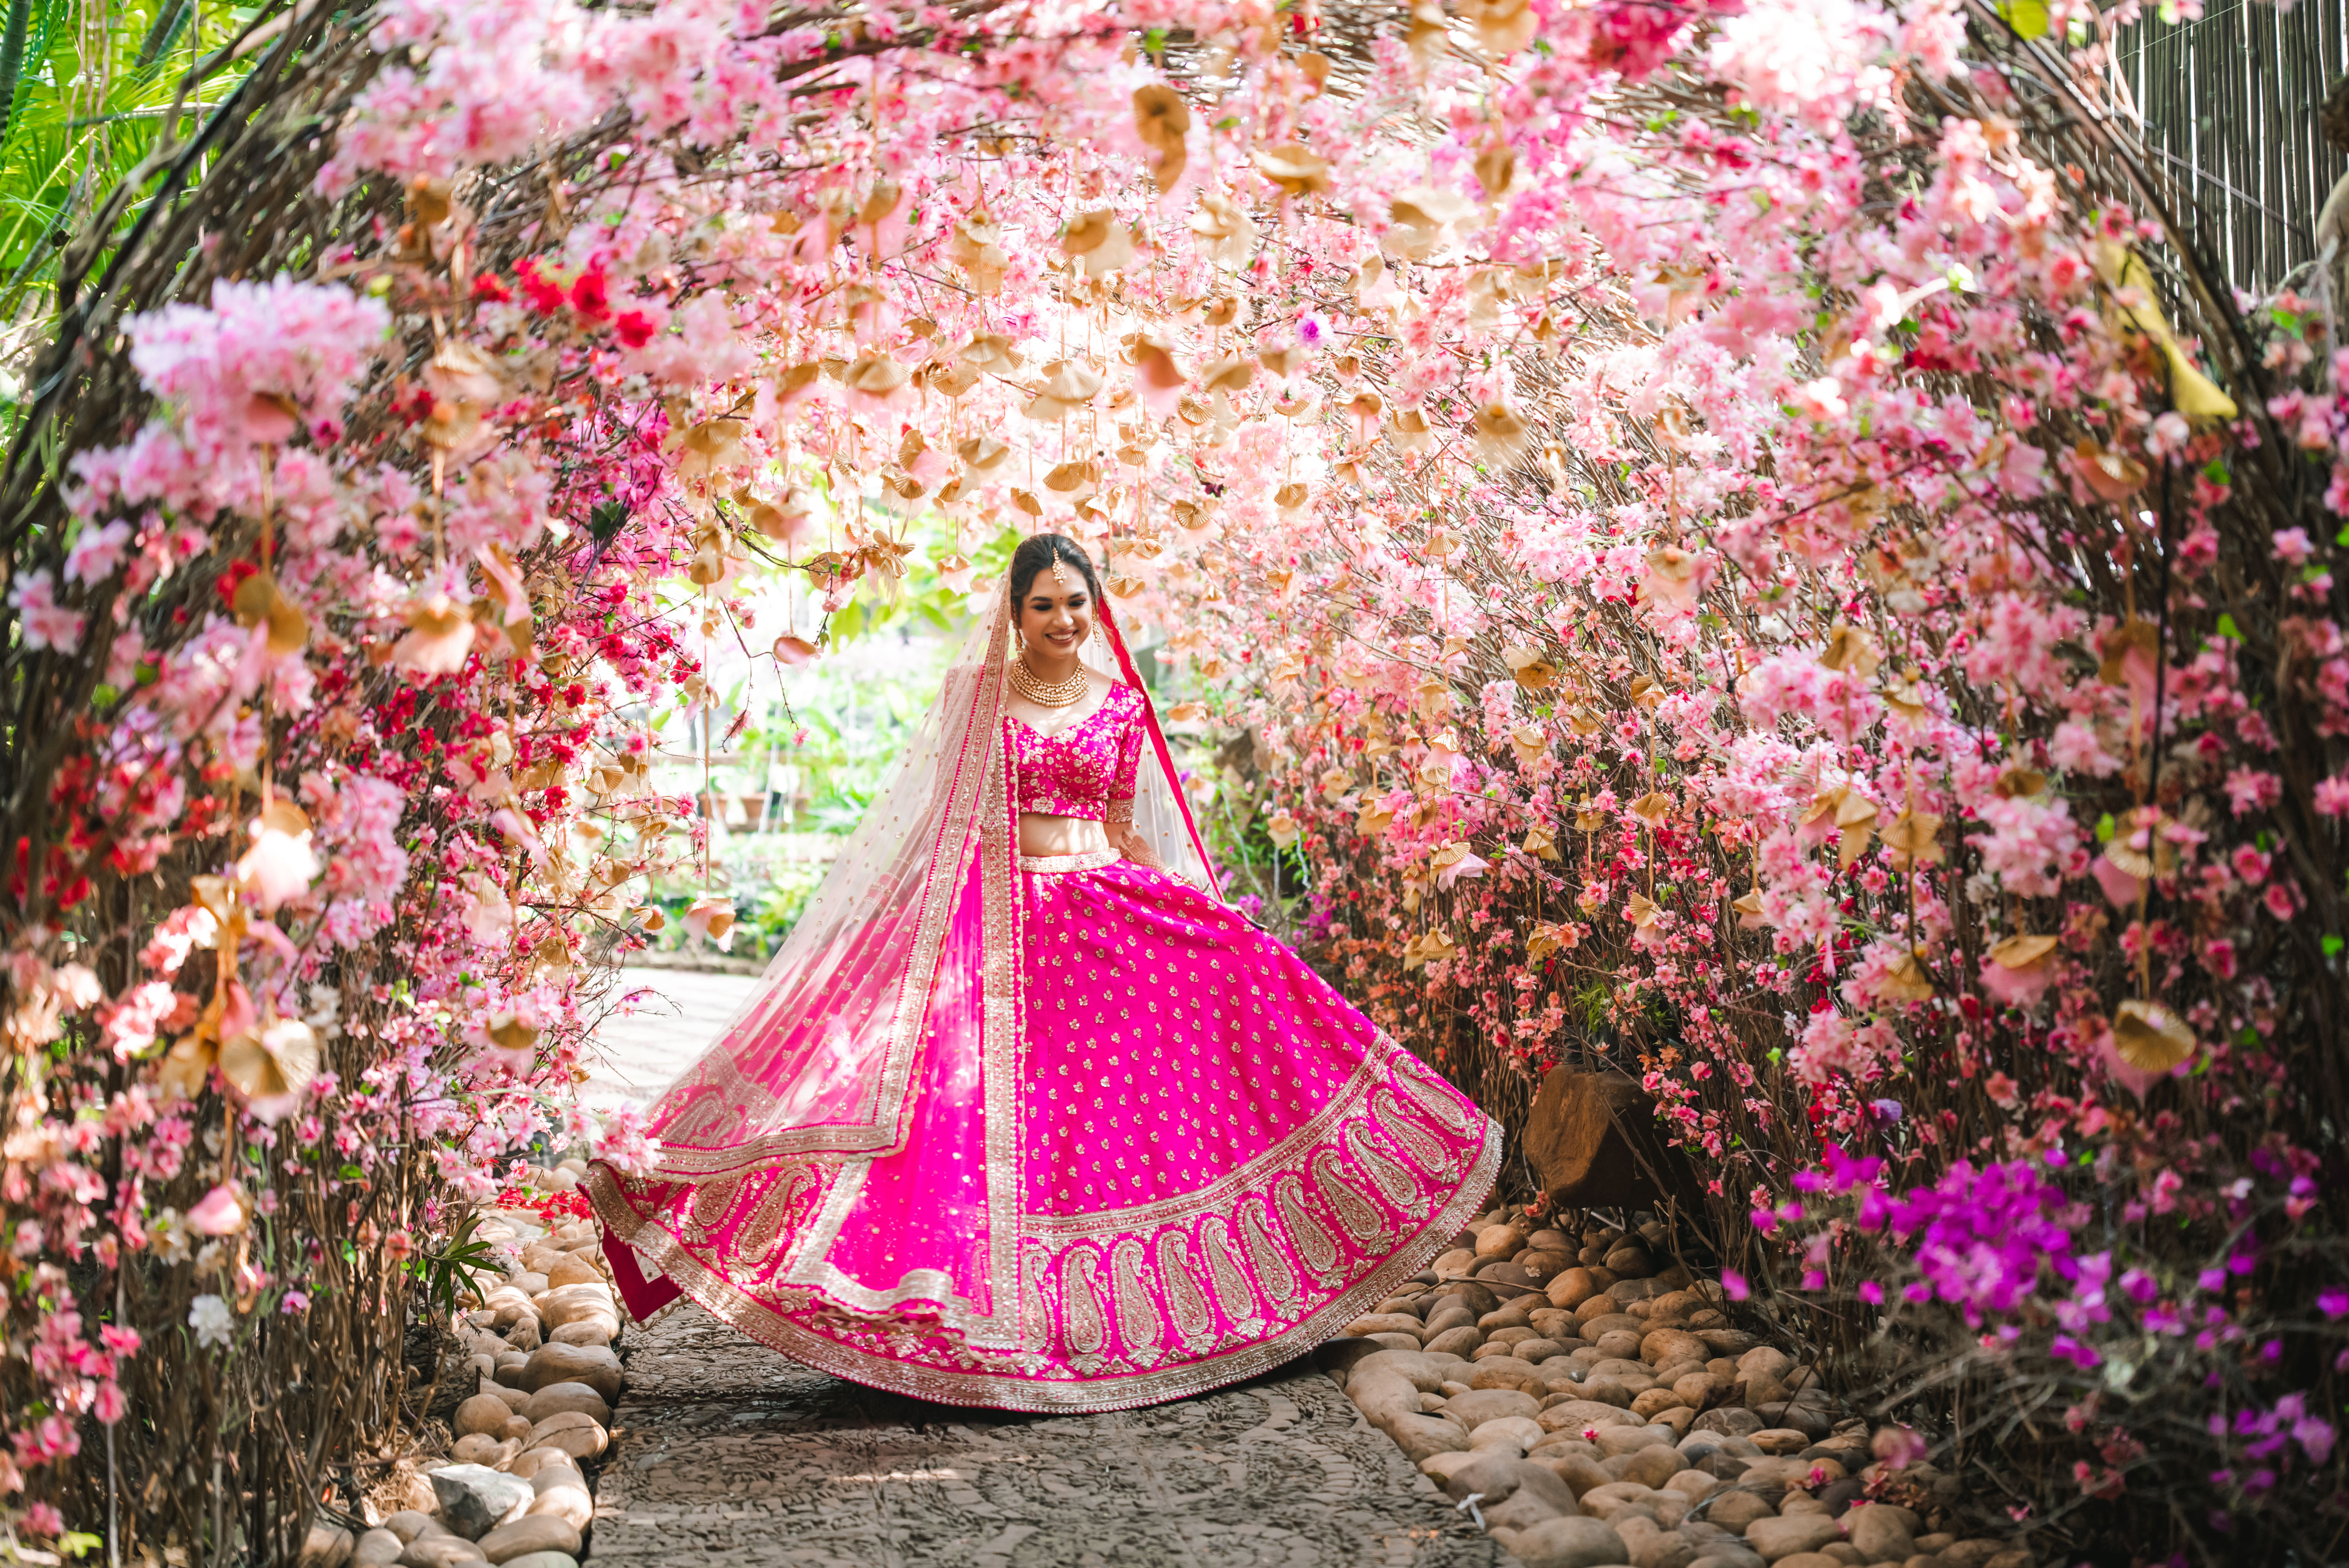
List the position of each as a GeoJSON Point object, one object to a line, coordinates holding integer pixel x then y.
{"type": "Point", "coordinates": [209, 1316]}
{"type": "Point", "coordinates": [168, 1236]}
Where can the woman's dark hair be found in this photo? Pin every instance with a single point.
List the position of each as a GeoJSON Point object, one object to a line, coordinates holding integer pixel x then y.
{"type": "Point", "coordinates": [1038, 551]}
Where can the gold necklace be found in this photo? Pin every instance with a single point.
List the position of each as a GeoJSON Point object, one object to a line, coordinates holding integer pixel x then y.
{"type": "Point", "coordinates": [1048, 694]}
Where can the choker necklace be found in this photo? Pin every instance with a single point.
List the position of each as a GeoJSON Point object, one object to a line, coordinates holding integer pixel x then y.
{"type": "Point", "coordinates": [1048, 694]}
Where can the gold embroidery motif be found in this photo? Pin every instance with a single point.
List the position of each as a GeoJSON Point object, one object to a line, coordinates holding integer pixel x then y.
{"type": "Point", "coordinates": [1354, 1208]}
{"type": "Point", "coordinates": [1082, 1327]}
{"type": "Point", "coordinates": [1317, 1249]}
{"type": "Point", "coordinates": [762, 1236]}
{"type": "Point", "coordinates": [1195, 1324]}
{"type": "Point", "coordinates": [1264, 1250]}
{"type": "Point", "coordinates": [713, 1200]}
{"type": "Point", "coordinates": [705, 1117]}
{"type": "Point", "coordinates": [1141, 1332]}
{"type": "Point", "coordinates": [1231, 1282]}
{"type": "Point", "coordinates": [1035, 1301]}
{"type": "Point", "coordinates": [1391, 1176]}
{"type": "Point", "coordinates": [1425, 1149]}
{"type": "Point", "coordinates": [705, 1209]}
{"type": "Point", "coordinates": [1435, 1097]}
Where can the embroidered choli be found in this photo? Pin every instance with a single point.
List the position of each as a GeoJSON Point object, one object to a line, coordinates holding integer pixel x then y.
{"type": "Point", "coordinates": [1086, 771]}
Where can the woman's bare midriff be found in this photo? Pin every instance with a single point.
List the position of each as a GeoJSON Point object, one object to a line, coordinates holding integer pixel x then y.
{"type": "Point", "coordinates": [1043, 835]}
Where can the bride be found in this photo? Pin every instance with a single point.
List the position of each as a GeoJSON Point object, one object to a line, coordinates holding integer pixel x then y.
{"type": "Point", "coordinates": [1022, 1114]}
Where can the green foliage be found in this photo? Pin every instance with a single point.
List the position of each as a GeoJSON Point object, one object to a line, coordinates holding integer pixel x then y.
{"type": "Point", "coordinates": [448, 1275]}
{"type": "Point", "coordinates": [88, 90]}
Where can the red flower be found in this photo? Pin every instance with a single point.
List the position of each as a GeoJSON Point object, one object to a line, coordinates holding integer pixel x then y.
{"type": "Point", "coordinates": [634, 327]}
{"type": "Point", "coordinates": [488, 287]}
{"type": "Point", "coordinates": [544, 294]}
{"type": "Point", "coordinates": [232, 579]}
{"type": "Point", "coordinates": [590, 297]}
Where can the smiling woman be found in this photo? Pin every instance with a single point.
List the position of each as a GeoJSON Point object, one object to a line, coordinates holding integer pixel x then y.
{"type": "Point", "coordinates": [1045, 1125]}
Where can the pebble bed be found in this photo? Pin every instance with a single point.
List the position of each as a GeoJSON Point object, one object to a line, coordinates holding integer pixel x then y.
{"type": "Point", "coordinates": [1592, 1408]}
{"type": "Point", "coordinates": [514, 1489]}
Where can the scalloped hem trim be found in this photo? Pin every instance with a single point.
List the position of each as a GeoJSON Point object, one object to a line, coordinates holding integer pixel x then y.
{"type": "Point", "coordinates": [1073, 1395]}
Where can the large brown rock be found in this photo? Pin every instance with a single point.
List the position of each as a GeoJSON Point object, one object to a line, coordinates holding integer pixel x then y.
{"type": "Point", "coordinates": [531, 1532]}
{"type": "Point", "coordinates": [1473, 1408]}
{"type": "Point", "coordinates": [574, 1268]}
{"type": "Point", "coordinates": [484, 1414]}
{"type": "Point", "coordinates": [596, 1367]}
{"type": "Point", "coordinates": [557, 1397]}
{"type": "Point", "coordinates": [1740, 1510]}
{"type": "Point", "coordinates": [1458, 1341]}
{"type": "Point", "coordinates": [1777, 1538]}
{"type": "Point", "coordinates": [1500, 1241]}
{"type": "Point", "coordinates": [1422, 1437]}
{"type": "Point", "coordinates": [1593, 1138]}
{"type": "Point", "coordinates": [1571, 1543]}
{"type": "Point", "coordinates": [581, 1437]}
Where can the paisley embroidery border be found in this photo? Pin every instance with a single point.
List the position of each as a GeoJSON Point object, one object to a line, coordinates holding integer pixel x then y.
{"type": "Point", "coordinates": [905, 1357]}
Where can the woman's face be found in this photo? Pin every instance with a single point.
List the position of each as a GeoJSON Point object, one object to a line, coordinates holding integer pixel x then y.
{"type": "Point", "coordinates": [1053, 619]}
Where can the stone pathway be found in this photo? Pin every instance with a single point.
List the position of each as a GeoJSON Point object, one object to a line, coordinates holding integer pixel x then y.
{"type": "Point", "coordinates": [726, 1453]}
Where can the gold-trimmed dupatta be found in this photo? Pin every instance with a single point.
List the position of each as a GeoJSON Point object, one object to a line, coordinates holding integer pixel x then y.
{"type": "Point", "coordinates": [819, 1061]}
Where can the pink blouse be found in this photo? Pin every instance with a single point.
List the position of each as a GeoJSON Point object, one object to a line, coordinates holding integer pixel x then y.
{"type": "Point", "coordinates": [1086, 771]}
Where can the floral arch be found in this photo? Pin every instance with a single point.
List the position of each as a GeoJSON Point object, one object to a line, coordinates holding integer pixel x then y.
{"type": "Point", "coordinates": [1752, 547]}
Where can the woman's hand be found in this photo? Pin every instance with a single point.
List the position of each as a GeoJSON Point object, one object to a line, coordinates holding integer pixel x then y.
{"type": "Point", "coordinates": [1126, 841]}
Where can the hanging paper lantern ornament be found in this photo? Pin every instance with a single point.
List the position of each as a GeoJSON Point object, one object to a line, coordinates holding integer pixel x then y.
{"type": "Point", "coordinates": [2019, 970]}
{"type": "Point", "coordinates": [2150, 1037]}
{"type": "Point", "coordinates": [439, 634]}
{"type": "Point", "coordinates": [1098, 242]}
{"type": "Point", "coordinates": [1914, 839]}
{"type": "Point", "coordinates": [1163, 120]}
{"type": "Point", "coordinates": [272, 1067]}
{"type": "Point", "coordinates": [280, 865]}
{"type": "Point", "coordinates": [1904, 980]}
{"type": "Point", "coordinates": [1069, 385]}
{"type": "Point", "coordinates": [712, 916]}
{"type": "Point", "coordinates": [222, 1212]}
{"type": "Point", "coordinates": [259, 601]}
{"type": "Point", "coordinates": [1228, 231]}
{"type": "Point", "coordinates": [874, 382]}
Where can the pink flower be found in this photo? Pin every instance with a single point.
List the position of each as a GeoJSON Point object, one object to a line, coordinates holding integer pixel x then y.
{"type": "Point", "coordinates": [2292, 546]}
{"type": "Point", "coordinates": [1821, 400]}
{"type": "Point", "coordinates": [45, 623]}
{"type": "Point", "coordinates": [2248, 789]}
{"type": "Point", "coordinates": [2332, 796]}
{"type": "Point", "coordinates": [97, 552]}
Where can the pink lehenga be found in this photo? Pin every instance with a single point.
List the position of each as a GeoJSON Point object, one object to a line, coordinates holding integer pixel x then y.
{"type": "Point", "coordinates": [1060, 1133]}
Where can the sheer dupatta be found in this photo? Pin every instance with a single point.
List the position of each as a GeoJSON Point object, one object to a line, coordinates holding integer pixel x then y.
{"type": "Point", "coordinates": [903, 972]}
{"type": "Point", "coordinates": [1162, 812]}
